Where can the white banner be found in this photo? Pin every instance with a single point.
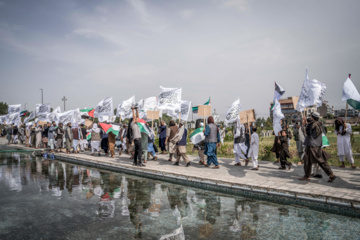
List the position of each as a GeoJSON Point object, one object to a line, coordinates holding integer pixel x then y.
{"type": "Point", "coordinates": [66, 117]}
{"type": "Point", "coordinates": [233, 113]}
{"type": "Point", "coordinates": [150, 104]}
{"type": "Point", "coordinates": [13, 118]}
{"type": "Point", "coordinates": [76, 118]}
{"type": "Point", "coordinates": [14, 108]}
{"type": "Point", "coordinates": [43, 109]}
{"type": "Point", "coordinates": [104, 108]}
{"type": "Point", "coordinates": [54, 115]}
{"type": "Point", "coordinates": [124, 109]}
{"type": "Point", "coordinates": [31, 116]}
{"type": "Point", "coordinates": [169, 99]}
{"type": "Point", "coordinates": [185, 111]}
{"type": "Point", "coordinates": [277, 116]}
{"type": "Point", "coordinates": [312, 93]}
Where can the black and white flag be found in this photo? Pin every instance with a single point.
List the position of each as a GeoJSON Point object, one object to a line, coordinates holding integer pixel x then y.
{"type": "Point", "coordinates": [43, 109]}
{"type": "Point", "coordinates": [124, 109]}
{"type": "Point", "coordinates": [233, 113]}
{"type": "Point", "coordinates": [14, 108]}
{"type": "Point", "coordinates": [104, 108]}
{"type": "Point", "coordinates": [169, 99]}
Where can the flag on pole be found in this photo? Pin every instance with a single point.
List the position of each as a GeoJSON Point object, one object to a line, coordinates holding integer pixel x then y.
{"type": "Point", "coordinates": [325, 141]}
{"type": "Point", "coordinates": [185, 111]}
{"type": "Point", "coordinates": [88, 136]}
{"type": "Point", "coordinates": [197, 135]}
{"type": "Point", "coordinates": [312, 93]}
{"type": "Point", "coordinates": [143, 128]}
{"type": "Point", "coordinates": [351, 94]}
{"type": "Point", "coordinates": [233, 113]}
{"type": "Point", "coordinates": [104, 108]}
{"type": "Point", "coordinates": [23, 113]}
{"type": "Point", "coordinates": [32, 116]}
{"type": "Point", "coordinates": [124, 109]}
{"type": "Point", "coordinates": [277, 116]}
{"type": "Point", "coordinates": [195, 109]}
{"type": "Point", "coordinates": [43, 109]}
{"type": "Point", "coordinates": [279, 91]}
{"type": "Point", "coordinates": [114, 128]}
{"type": "Point", "coordinates": [169, 99]}
{"type": "Point", "coordinates": [14, 108]}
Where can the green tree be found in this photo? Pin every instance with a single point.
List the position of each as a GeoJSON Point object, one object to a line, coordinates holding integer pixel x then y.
{"type": "Point", "coordinates": [3, 108]}
{"type": "Point", "coordinates": [268, 122]}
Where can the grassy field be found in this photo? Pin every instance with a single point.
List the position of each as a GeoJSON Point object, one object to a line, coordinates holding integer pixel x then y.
{"type": "Point", "coordinates": [266, 143]}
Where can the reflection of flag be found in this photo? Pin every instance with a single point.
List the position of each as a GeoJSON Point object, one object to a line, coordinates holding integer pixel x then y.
{"type": "Point", "coordinates": [177, 234]}
{"type": "Point", "coordinates": [195, 109]}
{"type": "Point", "coordinates": [114, 128]}
{"type": "Point", "coordinates": [279, 91]}
{"type": "Point", "coordinates": [351, 94]}
{"type": "Point", "coordinates": [312, 93]}
{"type": "Point", "coordinates": [197, 136]}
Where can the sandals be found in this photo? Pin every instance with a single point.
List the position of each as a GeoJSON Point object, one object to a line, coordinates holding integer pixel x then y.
{"type": "Point", "coordinates": [342, 166]}
{"type": "Point", "coordinates": [246, 162]}
{"type": "Point", "coordinates": [206, 165]}
{"type": "Point", "coordinates": [304, 179]}
{"type": "Point", "coordinates": [216, 167]}
{"type": "Point", "coordinates": [331, 179]}
{"type": "Point", "coordinates": [237, 164]}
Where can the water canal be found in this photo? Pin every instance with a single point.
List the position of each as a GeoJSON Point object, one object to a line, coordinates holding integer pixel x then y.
{"type": "Point", "coordinates": [49, 199]}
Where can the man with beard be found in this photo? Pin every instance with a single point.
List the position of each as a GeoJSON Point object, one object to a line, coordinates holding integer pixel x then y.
{"type": "Point", "coordinates": [313, 151]}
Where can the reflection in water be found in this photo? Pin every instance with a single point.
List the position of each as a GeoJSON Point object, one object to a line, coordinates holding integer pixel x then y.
{"type": "Point", "coordinates": [82, 198]}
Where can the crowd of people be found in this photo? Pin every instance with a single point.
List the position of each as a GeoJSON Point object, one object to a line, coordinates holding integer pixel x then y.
{"type": "Point", "coordinates": [140, 146]}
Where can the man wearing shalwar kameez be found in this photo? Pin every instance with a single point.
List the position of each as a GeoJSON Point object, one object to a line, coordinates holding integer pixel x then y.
{"type": "Point", "coordinates": [95, 139]}
{"type": "Point", "coordinates": [170, 134]}
{"type": "Point", "coordinates": [212, 140]}
{"type": "Point", "coordinates": [254, 149]}
{"type": "Point", "coordinates": [68, 137]}
{"type": "Point", "coordinates": [240, 148]}
{"type": "Point", "coordinates": [313, 149]}
{"type": "Point", "coordinates": [181, 146]}
{"type": "Point", "coordinates": [343, 131]}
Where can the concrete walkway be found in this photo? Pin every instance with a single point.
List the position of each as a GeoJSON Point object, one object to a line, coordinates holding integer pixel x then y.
{"type": "Point", "coordinates": [345, 189]}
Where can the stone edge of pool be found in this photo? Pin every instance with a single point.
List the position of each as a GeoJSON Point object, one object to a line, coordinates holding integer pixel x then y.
{"type": "Point", "coordinates": [315, 201]}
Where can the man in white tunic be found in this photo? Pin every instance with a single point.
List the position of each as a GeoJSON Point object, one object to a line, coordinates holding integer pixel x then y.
{"type": "Point", "coordinates": [240, 148]}
{"type": "Point", "coordinates": [254, 149]}
{"type": "Point", "coordinates": [343, 132]}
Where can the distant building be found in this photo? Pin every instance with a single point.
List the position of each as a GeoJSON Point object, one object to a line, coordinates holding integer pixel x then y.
{"type": "Point", "coordinates": [325, 109]}
{"type": "Point", "coordinates": [288, 108]}
{"type": "Point", "coordinates": [350, 113]}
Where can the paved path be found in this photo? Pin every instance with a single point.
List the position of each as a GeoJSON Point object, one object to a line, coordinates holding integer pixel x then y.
{"type": "Point", "coordinates": [346, 187]}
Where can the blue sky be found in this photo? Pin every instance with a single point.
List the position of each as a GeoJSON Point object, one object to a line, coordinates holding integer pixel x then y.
{"type": "Point", "coordinates": [88, 50]}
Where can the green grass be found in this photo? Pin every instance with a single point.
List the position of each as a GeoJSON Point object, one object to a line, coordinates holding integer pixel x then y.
{"type": "Point", "coordinates": [266, 143]}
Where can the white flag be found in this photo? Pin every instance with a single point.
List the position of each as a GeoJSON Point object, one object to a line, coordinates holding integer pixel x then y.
{"type": "Point", "coordinates": [169, 99]}
{"type": "Point", "coordinates": [31, 116]}
{"type": "Point", "coordinates": [277, 116]}
{"type": "Point", "coordinates": [66, 117]}
{"type": "Point", "coordinates": [124, 109]}
{"type": "Point", "coordinates": [150, 104]}
{"type": "Point", "coordinates": [351, 94]}
{"type": "Point", "coordinates": [43, 109]}
{"type": "Point", "coordinates": [54, 115]}
{"type": "Point", "coordinates": [13, 118]}
{"type": "Point", "coordinates": [76, 117]}
{"type": "Point", "coordinates": [44, 117]}
{"type": "Point", "coordinates": [14, 108]}
{"type": "Point", "coordinates": [312, 93]}
{"type": "Point", "coordinates": [233, 113]}
{"type": "Point", "coordinates": [279, 91]}
{"type": "Point", "coordinates": [185, 111]}
{"type": "Point", "coordinates": [104, 108]}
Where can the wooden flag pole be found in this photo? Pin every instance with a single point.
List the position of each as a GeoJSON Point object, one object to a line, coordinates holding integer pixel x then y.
{"type": "Point", "coordinates": [152, 124]}
{"type": "Point", "coordinates": [204, 117]}
{"type": "Point", "coordinates": [347, 105]}
{"type": "Point", "coordinates": [179, 116]}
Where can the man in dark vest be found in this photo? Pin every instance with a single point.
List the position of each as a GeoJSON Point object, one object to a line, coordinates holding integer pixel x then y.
{"type": "Point", "coordinates": [181, 146]}
{"type": "Point", "coordinates": [313, 151]}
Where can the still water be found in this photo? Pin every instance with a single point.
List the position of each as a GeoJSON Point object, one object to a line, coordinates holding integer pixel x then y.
{"type": "Point", "coordinates": [47, 199]}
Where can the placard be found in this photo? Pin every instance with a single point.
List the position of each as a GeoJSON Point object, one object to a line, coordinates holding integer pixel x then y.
{"type": "Point", "coordinates": [153, 115]}
{"type": "Point", "coordinates": [204, 111]}
{"type": "Point", "coordinates": [247, 116]}
{"type": "Point", "coordinates": [42, 123]}
{"type": "Point", "coordinates": [88, 123]}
